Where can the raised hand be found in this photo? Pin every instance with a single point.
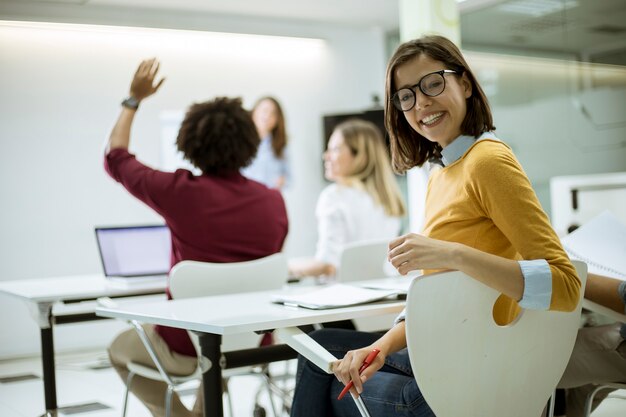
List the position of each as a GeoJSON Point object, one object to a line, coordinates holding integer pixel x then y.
{"type": "Point", "coordinates": [143, 84]}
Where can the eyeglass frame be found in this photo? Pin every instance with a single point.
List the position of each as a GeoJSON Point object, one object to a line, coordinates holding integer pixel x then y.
{"type": "Point", "coordinates": [419, 85]}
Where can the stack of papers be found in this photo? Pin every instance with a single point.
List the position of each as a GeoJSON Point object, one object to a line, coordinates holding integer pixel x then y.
{"type": "Point", "coordinates": [334, 296]}
{"type": "Point", "coordinates": [601, 243]}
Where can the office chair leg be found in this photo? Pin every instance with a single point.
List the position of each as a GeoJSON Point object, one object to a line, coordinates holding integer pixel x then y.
{"type": "Point", "coordinates": [590, 397]}
{"type": "Point", "coordinates": [270, 393]}
{"type": "Point", "coordinates": [228, 397]}
{"type": "Point", "coordinates": [551, 402]}
{"type": "Point", "coordinates": [129, 380]}
{"type": "Point", "coordinates": [168, 400]}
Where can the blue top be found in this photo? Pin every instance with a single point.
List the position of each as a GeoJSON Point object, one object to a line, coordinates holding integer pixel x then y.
{"type": "Point", "coordinates": [266, 168]}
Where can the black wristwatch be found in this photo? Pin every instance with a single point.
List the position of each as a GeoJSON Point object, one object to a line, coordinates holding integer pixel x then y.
{"type": "Point", "coordinates": [130, 103]}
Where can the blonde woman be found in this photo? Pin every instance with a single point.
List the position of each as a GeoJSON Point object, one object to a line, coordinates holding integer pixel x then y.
{"type": "Point", "coordinates": [364, 201]}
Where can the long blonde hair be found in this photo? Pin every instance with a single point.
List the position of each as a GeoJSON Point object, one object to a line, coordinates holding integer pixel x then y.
{"type": "Point", "coordinates": [372, 169]}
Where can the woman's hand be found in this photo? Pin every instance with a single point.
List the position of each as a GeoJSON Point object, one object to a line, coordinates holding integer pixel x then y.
{"type": "Point", "coordinates": [303, 267]}
{"type": "Point", "coordinates": [347, 369]}
{"type": "Point", "coordinates": [412, 251]}
{"type": "Point", "coordinates": [143, 84]}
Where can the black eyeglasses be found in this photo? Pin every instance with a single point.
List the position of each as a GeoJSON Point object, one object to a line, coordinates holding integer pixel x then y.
{"type": "Point", "coordinates": [430, 85]}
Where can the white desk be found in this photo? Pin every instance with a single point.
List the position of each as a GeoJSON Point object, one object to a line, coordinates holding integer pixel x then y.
{"type": "Point", "coordinates": [41, 294]}
{"type": "Point", "coordinates": [215, 316]}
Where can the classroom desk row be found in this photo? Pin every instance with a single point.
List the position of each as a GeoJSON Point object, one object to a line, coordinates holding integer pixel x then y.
{"type": "Point", "coordinates": [211, 317]}
{"type": "Point", "coordinates": [41, 295]}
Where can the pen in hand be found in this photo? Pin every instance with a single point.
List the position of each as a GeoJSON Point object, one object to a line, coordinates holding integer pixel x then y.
{"type": "Point", "coordinates": [366, 363]}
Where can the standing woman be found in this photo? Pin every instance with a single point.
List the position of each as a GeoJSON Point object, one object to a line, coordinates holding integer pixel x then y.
{"type": "Point", "coordinates": [364, 193]}
{"type": "Point", "coordinates": [270, 167]}
{"type": "Point", "coordinates": [482, 218]}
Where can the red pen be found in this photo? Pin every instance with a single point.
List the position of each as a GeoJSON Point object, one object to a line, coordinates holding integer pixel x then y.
{"type": "Point", "coordinates": [366, 363]}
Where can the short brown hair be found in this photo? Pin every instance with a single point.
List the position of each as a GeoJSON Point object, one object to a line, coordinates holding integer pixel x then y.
{"type": "Point", "coordinates": [409, 148]}
{"type": "Point", "coordinates": [218, 136]}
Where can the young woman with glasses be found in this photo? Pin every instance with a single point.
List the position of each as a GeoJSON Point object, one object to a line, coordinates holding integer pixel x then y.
{"type": "Point", "coordinates": [482, 218]}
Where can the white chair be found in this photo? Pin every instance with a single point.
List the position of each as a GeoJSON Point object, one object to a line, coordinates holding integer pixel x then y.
{"type": "Point", "coordinates": [609, 385]}
{"type": "Point", "coordinates": [364, 260]}
{"type": "Point", "coordinates": [467, 365]}
{"type": "Point", "coordinates": [174, 382]}
{"type": "Point", "coordinates": [190, 279]}
{"type": "Point", "coordinates": [367, 260]}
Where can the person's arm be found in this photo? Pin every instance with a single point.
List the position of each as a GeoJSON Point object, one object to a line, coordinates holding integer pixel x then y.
{"type": "Point", "coordinates": [413, 251]}
{"type": "Point", "coordinates": [310, 268]}
{"type": "Point", "coordinates": [142, 86]}
{"type": "Point", "coordinates": [500, 190]}
{"type": "Point", "coordinates": [332, 236]}
{"type": "Point", "coordinates": [280, 182]}
{"type": "Point", "coordinates": [284, 179]}
{"type": "Point", "coordinates": [347, 369]}
{"type": "Point", "coordinates": [604, 291]}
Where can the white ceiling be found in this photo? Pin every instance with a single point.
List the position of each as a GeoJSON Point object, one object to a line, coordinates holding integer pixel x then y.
{"type": "Point", "coordinates": [366, 13]}
{"type": "Point", "coordinates": [592, 30]}
{"type": "Point", "coordinates": [588, 29]}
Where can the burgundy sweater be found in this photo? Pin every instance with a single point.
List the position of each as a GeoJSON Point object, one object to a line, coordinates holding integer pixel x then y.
{"type": "Point", "coordinates": [226, 218]}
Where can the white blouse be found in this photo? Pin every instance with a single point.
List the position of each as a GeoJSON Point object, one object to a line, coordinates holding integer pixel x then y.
{"type": "Point", "coordinates": [348, 214]}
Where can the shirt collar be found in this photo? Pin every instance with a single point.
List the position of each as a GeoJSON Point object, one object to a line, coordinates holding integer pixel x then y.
{"type": "Point", "coordinates": [454, 151]}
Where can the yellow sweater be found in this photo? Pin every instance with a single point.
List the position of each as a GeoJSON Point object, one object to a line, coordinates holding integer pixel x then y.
{"type": "Point", "coordinates": [485, 200]}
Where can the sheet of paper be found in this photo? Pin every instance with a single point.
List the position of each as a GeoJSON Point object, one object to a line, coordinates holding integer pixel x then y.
{"type": "Point", "coordinates": [601, 244]}
{"type": "Point", "coordinates": [332, 296]}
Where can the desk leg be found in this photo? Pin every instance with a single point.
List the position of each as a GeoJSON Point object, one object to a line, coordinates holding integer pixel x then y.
{"type": "Point", "coordinates": [210, 345]}
{"type": "Point", "coordinates": [42, 313]}
{"type": "Point", "coordinates": [49, 377]}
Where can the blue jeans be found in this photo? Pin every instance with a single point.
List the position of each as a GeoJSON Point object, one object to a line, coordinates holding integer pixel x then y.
{"type": "Point", "coordinates": [392, 391]}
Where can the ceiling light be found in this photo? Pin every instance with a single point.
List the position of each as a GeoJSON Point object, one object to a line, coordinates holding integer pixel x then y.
{"type": "Point", "coordinates": [537, 8]}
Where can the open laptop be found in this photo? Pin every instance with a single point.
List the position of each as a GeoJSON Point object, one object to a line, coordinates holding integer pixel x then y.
{"type": "Point", "coordinates": [135, 253]}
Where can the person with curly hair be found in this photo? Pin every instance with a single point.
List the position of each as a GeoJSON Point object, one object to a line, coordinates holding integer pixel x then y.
{"type": "Point", "coordinates": [218, 216]}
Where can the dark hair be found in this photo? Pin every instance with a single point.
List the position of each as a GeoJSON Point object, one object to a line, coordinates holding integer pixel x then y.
{"type": "Point", "coordinates": [279, 133]}
{"type": "Point", "coordinates": [218, 136]}
{"type": "Point", "coordinates": [409, 148]}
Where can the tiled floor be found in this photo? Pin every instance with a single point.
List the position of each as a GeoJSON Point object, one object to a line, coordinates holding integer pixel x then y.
{"type": "Point", "coordinates": [79, 383]}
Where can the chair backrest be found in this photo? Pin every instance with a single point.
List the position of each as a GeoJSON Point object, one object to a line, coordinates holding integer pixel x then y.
{"type": "Point", "coordinates": [190, 279]}
{"type": "Point", "coordinates": [364, 260]}
{"type": "Point", "coordinates": [467, 365]}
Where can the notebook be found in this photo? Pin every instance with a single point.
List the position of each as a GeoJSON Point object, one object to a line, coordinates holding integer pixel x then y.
{"type": "Point", "coordinates": [601, 244]}
{"type": "Point", "coordinates": [135, 253]}
{"type": "Point", "coordinates": [334, 296]}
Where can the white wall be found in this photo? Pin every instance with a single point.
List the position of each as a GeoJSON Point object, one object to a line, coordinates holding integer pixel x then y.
{"type": "Point", "coordinates": [61, 89]}
{"type": "Point", "coordinates": [537, 105]}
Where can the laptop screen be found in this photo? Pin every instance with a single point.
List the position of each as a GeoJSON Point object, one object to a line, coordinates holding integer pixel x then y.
{"type": "Point", "coordinates": [134, 251]}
